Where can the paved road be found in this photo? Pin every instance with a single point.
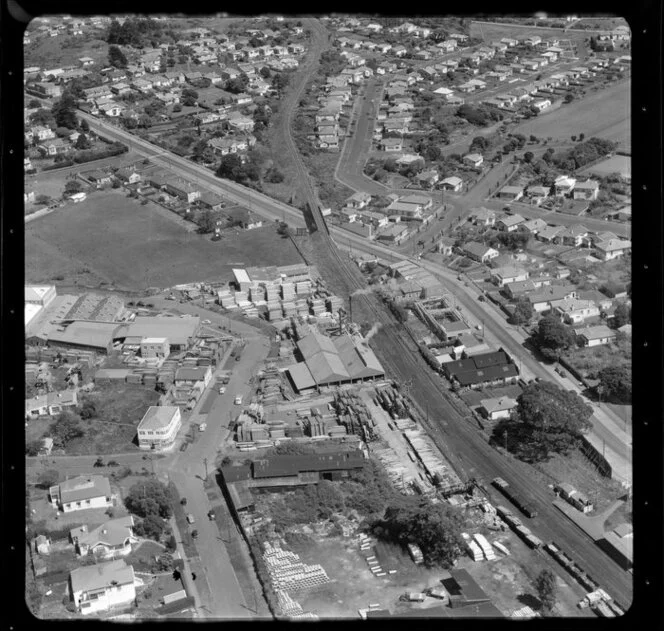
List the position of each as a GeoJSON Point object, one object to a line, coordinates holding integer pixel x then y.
{"type": "Point", "coordinates": [356, 147]}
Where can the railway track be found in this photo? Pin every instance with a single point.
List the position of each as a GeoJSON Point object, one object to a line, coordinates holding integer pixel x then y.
{"type": "Point", "coordinates": [460, 441]}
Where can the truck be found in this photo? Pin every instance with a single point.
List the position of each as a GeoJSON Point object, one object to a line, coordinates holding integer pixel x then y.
{"type": "Point", "coordinates": [415, 553]}
{"type": "Point", "coordinates": [414, 597]}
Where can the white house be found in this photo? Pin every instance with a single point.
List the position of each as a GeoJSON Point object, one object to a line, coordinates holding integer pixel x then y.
{"type": "Point", "coordinates": [110, 539]}
{"type": "Point", "coordinates": [595, 335]}
{"type": "Point", "coordinates": [483, 217]}
{"type": "Point", "coordinates": [541, 104]}
{"type": "Point", "coordinates": [452, 183]}
{"type": "Point", "coordinates": [159, 427]}
{"type": "Point", "coordinates": [586, 190]}
{"type": "Point", "coordinates": [50, 404]}
{"type": "Point", "coordinates": [479, 252]}
{"type": "Point", "coordinates": [97, 588]}
{"type": "Point", "coordinates": [508, 274]}
{"type": "Point", "coordinates": [612, 248]}
{"type": "Point", "coordinates": [189, 376]}
{"type": "Point", "coordinates": [82, 492]}
{"type": "Point", "coordinates": [564, 185]}
{"type": "Point", "coordinates": [574, 311]}
{"type": "Point", "coordinates": [473, 159]}
{"type": "Point", "coordinates": [509, 223]}
{"type": "Point", "coordinates": [358, 200]}
{"type": "Point", "coordinates": [155, 347]}
{"type": "Point", "coordinates": [494, 409]}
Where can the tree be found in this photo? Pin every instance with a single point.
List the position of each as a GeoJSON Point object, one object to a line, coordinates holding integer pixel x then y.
{"type": "Point", "coordinates": [116, 57]}
{"type": "Point", "coordinates": [533, 138]}
{"type": "Point", "coordinates": [149, 497]}
{"type": "Point", "coordinates": [64, 111]}
{"type": "Point", "coordinates": [189, 97]}
{"type": "Point", "coordinates": [42, 199]}
{"type": "Point", "coordinates": [568, 98]}
{"type": "Point", "coordinates": [553, 336]}
{"type": "Point", "coordinates": [33, 447]}
{"type": "Point", "coordinates": [581, 137]}
{"type": "Point", "coordinates": [545, 585]}
{"type": "Point", "coordinates": [528, 157]}
{"type": "Point", "coordinates": [48, 478]}
{"type": "Point", "coordinates": [171, 544]}
{"type": "Point", "coordinates": [435, 528]}
{"type": "Point", "coordinates": [206, 222]}
{"type": "Point", "coordinates": [152, 526]}
{"type": "Point", "coordinates": [88, 409]}
{"type": "Point", "coordinates": [622, 315]}
{"type": "Point", "coordinates": [616, 382]}
{"type": "Point", "coordinates": [523, 311]}
{"type": "Point", "coordinates": [66, 428]}
{"type": "Point", "coordinates": [73, 186]}
{"type": "Point", "coordinates": [282, 229]}
{"type": "Point", "coordinates": [548, 419]}
{"type": "Point", "coordinates": [85, 126]}
{"type": "Point", "coordinates": [82, 142]}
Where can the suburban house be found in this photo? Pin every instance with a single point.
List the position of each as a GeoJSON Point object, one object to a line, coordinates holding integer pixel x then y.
{"type": "Point", "coordinates": [452, 183]}
{"type": "Point", "coordinates": [127, 175]}
{"type": "Point", "coordinates": [85, 491]}
{"type": "Point", "coordinates": [98, 177]}
{"type": "Point", "coordinates": [101, 587]}
{"type": "Point", "coordinates": [394, 233]}
{"type": "Point", "coordinates": [613, 248]}
{"type": "Point", "coordinates": [537, 194]}
{"type": "Point", "coordinates": [406, 211]}
{"type": "Point", "coordinates": [548, 234]}
{"type": "Point", "coordinates": [377, 220]}
{"type": "Point", "coordinates": [240, 122]}
{"type": "Point", "coordinates": [479, 252]}
{"type": "Point", "coordinates": [533, 225]}
{"type": "Point", "coordinates": [575, 311]}
{"type": "Point", "coordinates": [189, 376]}
{"type": "Point", "coordinates": [563, 185]}
{"type": "Point", "coordinates": [541, 104]}
{"type": "Point", "coordinates": [358, 200]}
{"type": "Point", "coordinates": [586, 190]}
{"type": "Point", "coordinates": [509, 223]}
{"type": "Point", "coordinates": [50, 404]}
{"type": "Point", "coordinates": [113, 538]}
{"type": "Point", "coordinates": [495, 409]}
{"type": "Point", "coordinates": [55, 147]}
{"type": "Point", "coordinates": [421, 201]}
{"type": "Point", "coordinates": [182, 189]}
{"type": "Point", "coordinates": [473, 159]}
{"type": "Point", "coordinates": [483, 216]}
{"type": "Point", "coordinates": [512, 193]}
{"type": "Point", "coordinates": [159, 426]}
{"type": "Point", "coordinates": [542, 300]}
{"type": "Point", "coordinates": [595, 335]}
{"type": "Point", "coordinates": [348, 214]}
{"type": "Point", "coordinates": [575, 235]}
{"type": "Point", "coordinates": [510, 274]}
{"type": "Point", "coordinates": [428, 179]}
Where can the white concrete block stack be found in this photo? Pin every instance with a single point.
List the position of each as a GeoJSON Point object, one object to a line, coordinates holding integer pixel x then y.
{"type": "Point", "coordinates": [487, 550]}
{"type": "Point", "coordinates": [287, 572]}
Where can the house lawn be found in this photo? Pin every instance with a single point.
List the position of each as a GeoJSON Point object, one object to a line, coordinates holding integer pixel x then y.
{"type": "Point", "coordinates": [112, 238]}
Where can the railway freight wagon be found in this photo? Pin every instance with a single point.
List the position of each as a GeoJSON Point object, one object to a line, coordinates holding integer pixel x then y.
{"type": "Point", "coordinates": [522, 504]}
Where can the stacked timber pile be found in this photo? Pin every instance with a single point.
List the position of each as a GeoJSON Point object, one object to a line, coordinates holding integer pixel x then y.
{"type": "Point", "coordinates": [392, 402]}
{"type": "Point", "coordinates": [354, 415]}
{"type": "Point", "coordinates": [440, 473]}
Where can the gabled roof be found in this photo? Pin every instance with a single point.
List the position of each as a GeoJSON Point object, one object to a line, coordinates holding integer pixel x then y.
{"type": "Point", "coordinates": [596, 332]}
{"type": "Point", "coordinates": [102, 575]}
{"type": "Point", "coordinates": [498, 405]}
{"type": "Point", "coordinates": [478, 249]}
{"type": "Point", "coordinates": [83, 488]}
{"type": "Point", "coordinates": [112, 533]}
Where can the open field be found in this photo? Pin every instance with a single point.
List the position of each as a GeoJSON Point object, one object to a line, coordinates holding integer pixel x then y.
{"type": "Point", "coordinates": [132, 246]}
{"type": "Point", "coordinates": [50, 51]}
{"type": "Point", "coordinates": [605, 114]}
{"type": "Point", "coordinates": [614, 164]}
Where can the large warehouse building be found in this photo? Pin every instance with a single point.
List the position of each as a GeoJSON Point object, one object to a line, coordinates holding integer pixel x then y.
{"type": "Point", "coordinates": [333, 361]}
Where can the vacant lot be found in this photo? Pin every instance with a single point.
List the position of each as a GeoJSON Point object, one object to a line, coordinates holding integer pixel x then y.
{"type": "Point", "coordinates": [52, 52]}
{"type": "Point", "coordinates": [589, 361]}
{"type": "Point", "coordinates": [615, 164]}
{"type": "Point", "coordinates": [113, 238]}
{"type": "Point", "coordinates": [605, 114]}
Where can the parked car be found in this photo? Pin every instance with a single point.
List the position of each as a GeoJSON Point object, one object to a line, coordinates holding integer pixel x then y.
{"type": "Point", "coordinates": [207, 322]}
{"type": "Point", "coordinates": [190, 518]}
{"type": "Point", "coordinates": [222, 390]}
{"type": "Point", "coordinates": [238, 399]}
{"type": "Point", "coordinates": [202, 427]}
{"type": "Point", "coordinates": [211, 514]}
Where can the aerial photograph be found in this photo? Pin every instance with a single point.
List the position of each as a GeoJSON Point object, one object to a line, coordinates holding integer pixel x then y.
{"type": "Point", "coordinates": [327, 317]}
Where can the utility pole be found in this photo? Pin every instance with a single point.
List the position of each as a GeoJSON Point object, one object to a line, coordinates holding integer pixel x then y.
{"type": "Point", "coordinates": [205, 461]}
